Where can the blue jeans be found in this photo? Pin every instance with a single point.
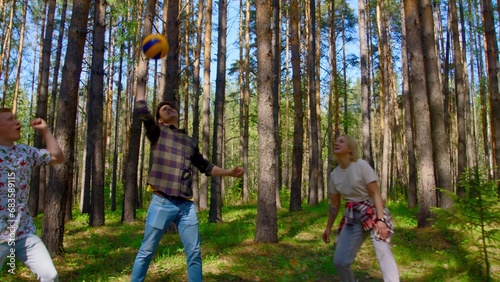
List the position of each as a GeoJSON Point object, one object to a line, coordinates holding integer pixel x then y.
{"type": "Point", "coordinates": [33, 253]}
{"type": "Point", "coordinates": [350, 240]}
{"type": "Point", "coordinates": [161, 213]}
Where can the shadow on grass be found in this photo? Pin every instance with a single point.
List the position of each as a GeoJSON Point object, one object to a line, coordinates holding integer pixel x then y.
{"type": "Point", "coordinates": [229, 253]}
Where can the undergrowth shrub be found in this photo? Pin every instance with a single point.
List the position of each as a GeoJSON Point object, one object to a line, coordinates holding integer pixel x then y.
{"type": "Point", "coordinates": [476, 215]}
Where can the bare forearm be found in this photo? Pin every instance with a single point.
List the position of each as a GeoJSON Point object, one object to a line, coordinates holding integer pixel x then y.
{"type": "Point", "coordinates": [218, 171]}
{"type": "Point", "coordinates": [140, 96]}
{"type": "Point", "coordinates": [379, 206]}
{"type": "Point", "coordinates": [377, 198]}
{"type": "Point", "coordinates": [234, 172]}
{"type": "Point", "coordinates": [53, 147]}
{"type": "Point", "coordinates": [332, 215]}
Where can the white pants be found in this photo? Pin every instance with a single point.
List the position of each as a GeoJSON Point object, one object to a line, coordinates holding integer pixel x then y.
{"type": "Point", "coordinates": [33, 253]}
{"type": "Point", "coordinates": [350, 240]}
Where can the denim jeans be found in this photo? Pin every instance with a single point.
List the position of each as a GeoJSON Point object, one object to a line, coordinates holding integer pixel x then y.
{"type": "Point", "coordinates": [161, 213]}
{"type": "Point", "coordinates": [350, 240]}
{"type": "Point", "coordinates": [33, 253]}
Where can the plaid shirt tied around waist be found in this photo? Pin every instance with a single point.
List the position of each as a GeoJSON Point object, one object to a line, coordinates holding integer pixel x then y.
{"type": "Point", "coordinates": [174, 154]}
{"type": "Point", "coordinates": [368, 216]}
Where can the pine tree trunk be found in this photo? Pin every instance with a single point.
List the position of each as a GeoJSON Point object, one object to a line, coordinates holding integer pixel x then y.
{"type": "Point", "coordinates": [206, 101]}
{"type": "Point", "coordinates": [5, 54]}
{"type": "Point", "coordinates": [423, 140]}
{"type": "Point", "coordinates": [19, 58]}
{"type": "Point", "coordinates": [266, 227]}
{"type": "Point", "coordinates": [440, 143]}
{"type": "Point", "coordinates": [117, 130]}
{"type": "Point", "coordinates": [172, 75]}
{"type": "Point", "coordinates": [96, 110]}
{"type": "Point", "coordinates": [412, 163]}
{"type": "Point", "coordinates": [298, 135]}
{"type": "Point", "coordinates": [130, 196]}
{"type": "Point", "coordinates": [365, 84]}
{"type": "Point", "coordinates": [313, 117]}
{"type": "Point", "coordinates": [493, 67]}
{"type": "Point", "coordinates": [215, 214]}
{"type": "Point", "coordinates": [196, 96]}
{"type": "Point", "coordinates": [276, 64]}
{"type": "Point", "coordinates": [38, 178]}
{"type": "Point", "coordinates": [61, 176]}
{"type": "Point", "coordinates": [460, 96]}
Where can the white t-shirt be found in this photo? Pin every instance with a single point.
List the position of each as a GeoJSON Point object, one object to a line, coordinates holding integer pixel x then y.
{"type": "Point", "coordinates": [16, 163]}
{"type": "Point", "coordinates": [351, 182]}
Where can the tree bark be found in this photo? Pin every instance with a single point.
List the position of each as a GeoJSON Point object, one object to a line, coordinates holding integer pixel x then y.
{"type": "Point", "coordinates": [196, 95]}
{"type": "Point", "coordinates": [409, 128]}
{"type": "Point", "coordinates": [266, 226]}
{"type": "Point", "coordinates": [215, 214]}
{"type": "Point", "coordinates": [365, 84]}
{"type": "Point", "coordinates": [96, 110]}
{"type": "Point", "coordinates": [440, 143]}
{"type": "Point", "coordinates": [61, 176]}
{"type": "Point", "coordinates": [460, 96]}
{"type": "Point", "coordinates": [313, 116]}
{"type": "Point", "coordinates": [130, 196]}
{"type": "Point", "coordinates": [38, 176]}
{"type": "Point", "coordinates": [276, 64]}
{"type": "Point", "coordinates": [423, 142]}
{"type": "Point", "coordinates": [298, 128]}
{"type": "Point", "coordinates": [172, 76]}
{"type": "Point", "coordinates": [19, 58]}
{"type": "Point", "coordinates": [493, 68]}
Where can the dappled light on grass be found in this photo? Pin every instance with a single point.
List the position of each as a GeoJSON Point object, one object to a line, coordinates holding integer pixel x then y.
{"type": "Point", "coordinates": [229, 252]}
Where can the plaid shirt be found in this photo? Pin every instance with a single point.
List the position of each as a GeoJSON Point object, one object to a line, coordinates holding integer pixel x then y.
{"type": "Point", "coordinates": [368, 216]}
{"type": "Point", "coordinates": [174, 154]}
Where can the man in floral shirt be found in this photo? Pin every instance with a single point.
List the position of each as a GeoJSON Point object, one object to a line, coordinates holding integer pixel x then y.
{"type": "Point", "coordinates": [18, 239]}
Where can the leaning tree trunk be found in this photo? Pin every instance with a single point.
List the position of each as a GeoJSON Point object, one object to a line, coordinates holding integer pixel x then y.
{"type": "Point", "coordinates": [130, 197]}
{"type": "Point", "coordinates": [19, 58]}
{"type": "Point", "coordinates": [38, 176]}
{"type": "Point", "coordinates": [61, 176]}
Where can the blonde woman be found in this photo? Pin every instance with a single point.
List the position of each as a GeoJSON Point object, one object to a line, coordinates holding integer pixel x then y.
{"type": "Point", "coordinates": [365, 214]}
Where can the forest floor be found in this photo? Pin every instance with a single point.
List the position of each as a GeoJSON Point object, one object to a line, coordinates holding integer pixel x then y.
{"type": "Point", "coordinates": [229, 252]}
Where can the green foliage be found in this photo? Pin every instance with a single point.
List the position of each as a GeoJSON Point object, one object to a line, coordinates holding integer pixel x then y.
{"type": "Point", "coordinates": [107, 253]}
{"type": "Point", "coordinates": [475, 217]}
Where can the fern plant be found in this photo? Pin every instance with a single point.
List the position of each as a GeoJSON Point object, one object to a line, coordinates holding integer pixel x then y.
{"type": "Point", "coordinates": [477, 215]}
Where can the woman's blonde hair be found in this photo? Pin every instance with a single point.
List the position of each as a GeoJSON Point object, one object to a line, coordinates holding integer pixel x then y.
{"type": "Point", "coordinates": [353, 145]}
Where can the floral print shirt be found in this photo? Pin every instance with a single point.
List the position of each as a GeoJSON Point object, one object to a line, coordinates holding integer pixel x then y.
{"type": "Point", "coordinates": [16, 163]}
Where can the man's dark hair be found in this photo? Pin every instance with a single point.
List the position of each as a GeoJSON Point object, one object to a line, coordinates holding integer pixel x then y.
{"type": "Point", "coordinates": [163, 103]}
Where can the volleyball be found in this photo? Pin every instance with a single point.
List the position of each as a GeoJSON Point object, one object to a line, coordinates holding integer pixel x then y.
{"type": "Point", "coordinates": [155, 46]}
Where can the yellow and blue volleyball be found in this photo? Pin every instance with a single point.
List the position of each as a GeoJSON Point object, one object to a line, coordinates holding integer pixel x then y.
{"type": "Point", "coordinates": [155, 46]}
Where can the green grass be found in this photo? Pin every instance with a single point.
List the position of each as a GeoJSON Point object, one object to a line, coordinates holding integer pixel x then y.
{"type": "Point", "coordinates": [229, 253]}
